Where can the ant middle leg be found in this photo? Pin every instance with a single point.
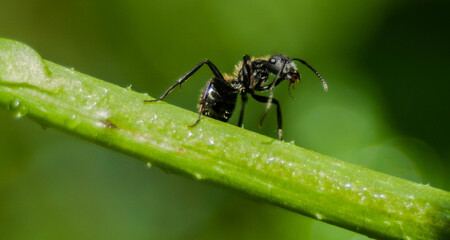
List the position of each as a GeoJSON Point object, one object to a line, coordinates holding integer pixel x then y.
{"type": "Point", "coordinates": [213, 68]}
{"type": "Point", "coordinates": [265, 99]}
{"type": "Point", "coordinates": [241, 114]}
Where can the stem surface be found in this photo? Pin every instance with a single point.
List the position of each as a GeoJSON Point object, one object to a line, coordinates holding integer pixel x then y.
{"type": "Point", "coordinates": [324, 188]}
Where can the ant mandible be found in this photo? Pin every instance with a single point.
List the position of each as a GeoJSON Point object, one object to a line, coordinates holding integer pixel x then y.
{"type": "Point", "coordinates": [218, 99]}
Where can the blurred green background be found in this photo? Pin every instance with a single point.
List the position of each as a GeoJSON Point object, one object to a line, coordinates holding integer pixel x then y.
{"type": "Point", "coordinates": [386, 63]}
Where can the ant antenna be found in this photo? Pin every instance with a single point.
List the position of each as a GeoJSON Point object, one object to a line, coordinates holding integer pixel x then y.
{"type": "Point", "coordinates": [269, 102]}
{"type": "Point", "coordinates": [325, 86]}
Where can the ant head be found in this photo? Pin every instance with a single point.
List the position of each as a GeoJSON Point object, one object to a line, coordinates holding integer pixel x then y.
{"type": "Point", "coordinates": [285, 67]}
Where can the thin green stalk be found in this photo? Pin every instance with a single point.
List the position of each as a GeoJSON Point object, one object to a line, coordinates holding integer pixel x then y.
{"type": "Point", "coordinates": [281, 173]}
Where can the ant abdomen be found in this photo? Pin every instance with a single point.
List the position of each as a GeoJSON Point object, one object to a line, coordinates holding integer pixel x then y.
{"type": "Point", "coordinates": [218, 100]}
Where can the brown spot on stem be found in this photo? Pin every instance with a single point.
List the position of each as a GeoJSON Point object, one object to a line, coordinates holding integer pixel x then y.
{"type": "Point", "coordinates": [109, 124]}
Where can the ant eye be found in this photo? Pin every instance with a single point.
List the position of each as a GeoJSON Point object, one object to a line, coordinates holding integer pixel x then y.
{"type": "Point", "coordinates": [272, 60]}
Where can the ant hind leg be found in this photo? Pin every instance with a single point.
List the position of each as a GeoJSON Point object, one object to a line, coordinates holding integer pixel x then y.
{"type": "Point", "coordinates": [202, 103]}
{"type": "Point", "coordinates": [213, 68]}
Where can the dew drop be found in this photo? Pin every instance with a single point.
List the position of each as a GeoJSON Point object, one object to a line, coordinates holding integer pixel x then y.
{"type": "Point", "coordinates": [17, 108]}
{"type": "Point", "coordinates": [319, 216]}
{"type": "Point", "coordinates": [269, 160]}
{"type": "Point", "coordinates": [100, 124]}
{"type": "Point", "coordinates": [198, 176]}
{"type": "Point", "coordinates": [14, 104]}
{"type": "Point", "coordinates": [154, 118]}
{"type": "Point", "coordinates": [22, 112]}
{"type": "Point", "coordinates": [103, 114]}
{"type": "Point", "coordinates": [73, 121]}
{"type": "Point", "coordinates": [148, 165]}
{"type": "Point", "coordinates": [347, 185]}
{"type": "Point", "coordinates": [322, 174]}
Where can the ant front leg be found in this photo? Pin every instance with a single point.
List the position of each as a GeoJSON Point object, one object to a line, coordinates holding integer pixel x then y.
{"type": "Point", "coordinates": [270, 98]}
{"type": "Point", "coordinates": [213, 68]}
{"type": "Point", "coordinates": [267, 87]}
{"type": "Point", "coordinates": [265, 99]}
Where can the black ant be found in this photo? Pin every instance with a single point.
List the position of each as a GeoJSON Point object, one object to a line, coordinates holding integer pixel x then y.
{"type": "Point", "coordinates": [218, 99]}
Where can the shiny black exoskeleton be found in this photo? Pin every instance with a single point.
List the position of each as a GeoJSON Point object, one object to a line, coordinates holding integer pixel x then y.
{"type": "Point", "coordinates": [218, 99]}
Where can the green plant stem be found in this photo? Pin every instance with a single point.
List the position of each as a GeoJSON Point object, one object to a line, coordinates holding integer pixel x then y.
{"type": "Point", "coordinates": [324, 188]}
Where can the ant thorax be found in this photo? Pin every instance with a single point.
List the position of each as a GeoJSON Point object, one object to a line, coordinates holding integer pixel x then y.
{"type": "Point", "coordinates": [258, 75]}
